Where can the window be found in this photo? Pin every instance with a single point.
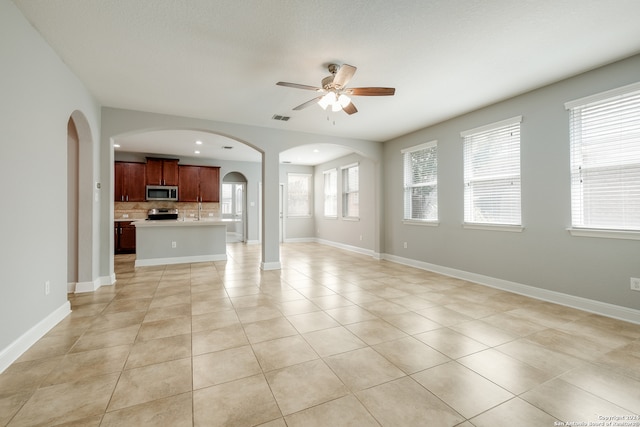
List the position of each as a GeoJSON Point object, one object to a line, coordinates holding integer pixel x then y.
{"type": "Point", "coordinates": [350, 191]}
{"type": "Point", "coordinates": [331, 193]}
{"type": "Point", "coordinates": [605, 160]}
{"type": "Point", "coordinates": [298, 194]}
{"type": "Point", "coordinates": [226, 202]}
{"type": "Point", "coordinates": [421, 182]}
{"type": "Point", "coordinates": [492, 174]}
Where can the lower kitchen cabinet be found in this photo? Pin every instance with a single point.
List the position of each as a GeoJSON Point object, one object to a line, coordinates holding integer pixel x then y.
{"type": "Point", "coordinates": [124, 239]}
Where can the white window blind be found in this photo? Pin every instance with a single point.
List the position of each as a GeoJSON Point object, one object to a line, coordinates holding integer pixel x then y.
{"type": "Point", "coordinates": [225, 199]}
{"type": "Point", "coordinates": [331, 193]}
{"type": "Point", "coordinates": [350, 191]}
{"type": "Point", "coordinates": [421, 182]}
{"type": "Point", "coordinates": [298, 194]}
{"type": "Point", "coordinates": [605, 160]}
{"type": "Point", "coordinates": [492, 173]}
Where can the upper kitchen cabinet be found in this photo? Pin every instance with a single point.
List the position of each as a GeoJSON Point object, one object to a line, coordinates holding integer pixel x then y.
{"type": "Point", "coordinates": [162, 171]}
{"type": "Point", "coordinates": [129, 182]}
{"type": "Point", "coordinates": [199, 184]}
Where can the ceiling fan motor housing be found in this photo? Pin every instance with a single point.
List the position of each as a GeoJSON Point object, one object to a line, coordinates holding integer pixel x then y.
{"type": "Point", "coordinates": [327, 82]}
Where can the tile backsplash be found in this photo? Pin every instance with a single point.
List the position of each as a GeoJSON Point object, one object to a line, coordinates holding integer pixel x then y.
{"type": "Point", "coordinates": [138, 210]}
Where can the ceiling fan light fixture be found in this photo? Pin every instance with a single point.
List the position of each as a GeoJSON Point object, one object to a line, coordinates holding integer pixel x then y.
{"type": "Point", "coordinates": [344, 100]}
{"type": "Point", "coordinates": [329, 99]}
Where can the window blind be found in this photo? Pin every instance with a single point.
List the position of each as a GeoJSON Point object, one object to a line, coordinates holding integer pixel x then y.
{"type": "Point", "coordinates": [421, 182]}
{"type": "Point", "coordinates": [605, 162]}
{"type": "Point", "coordinates": [298, 195]}
{"type": "Point", "coordinates": [350, 191]}
{"type": "Point", "coordinates": [492, 173]}
{"type": "Point", "coordinates": [331, 193]}
{"type": "Point", "coordinates": [225, 199]}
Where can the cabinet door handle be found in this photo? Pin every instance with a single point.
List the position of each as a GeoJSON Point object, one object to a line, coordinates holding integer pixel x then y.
{"type": "Point", "coordinates": [121, 230]}
{"type": "Point", "coordinates": [127, 197]}
{"type": "Point", "coordinates": [122, 198]}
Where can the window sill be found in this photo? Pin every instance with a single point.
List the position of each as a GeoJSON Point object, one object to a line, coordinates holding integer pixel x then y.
{"type": "Point", "coordinates": [330, 217]}
{"type": "Point", "coordinates": [350, 218]}
{"type": "Point", "coordinates": [493, 227]}
{"type": "Point", "coordinates": [604, 234]}
{"type": "Point", "coordinates": [426, 223]}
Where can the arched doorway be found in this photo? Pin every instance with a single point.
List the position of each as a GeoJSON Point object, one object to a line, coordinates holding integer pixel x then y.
{"type": "Point", "coordinates": [233, 205]}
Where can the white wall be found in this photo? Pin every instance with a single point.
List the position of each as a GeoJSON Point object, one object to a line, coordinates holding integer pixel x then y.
{"type": "Point", "coordinates": [39, 94]}
{"type": "Point", "coordinates": [544, 256]}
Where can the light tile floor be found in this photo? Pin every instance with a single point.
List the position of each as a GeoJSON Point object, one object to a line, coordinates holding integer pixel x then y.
{"type": "Point", "coordinates": [334, 338]}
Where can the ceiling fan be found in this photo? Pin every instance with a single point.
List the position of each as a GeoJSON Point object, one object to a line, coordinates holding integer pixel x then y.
{"type": "Point", "coordinates": [335, 92]}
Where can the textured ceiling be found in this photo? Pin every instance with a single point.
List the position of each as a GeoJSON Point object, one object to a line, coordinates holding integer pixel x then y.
{"type": "Point", "coordinates": [220, 59]}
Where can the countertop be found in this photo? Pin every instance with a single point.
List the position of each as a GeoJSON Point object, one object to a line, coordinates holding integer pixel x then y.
{"type": "Point", "coordinates": [187, 222]}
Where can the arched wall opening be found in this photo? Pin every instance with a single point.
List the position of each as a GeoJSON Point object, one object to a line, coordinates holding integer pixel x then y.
{"type": "Point", "coordinates": [233, 205]}
{"type": "Point", "coordinates": [82, 191]}
{"type": "Point", "coordinates": [242, 161]}
{"type": "Point", "coordinates": [270, 142]}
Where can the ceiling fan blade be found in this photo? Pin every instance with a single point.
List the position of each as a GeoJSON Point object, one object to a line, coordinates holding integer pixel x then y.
{"type": "Point", "coordinates": [344, 74]}
{"type": "Point", "coordinates": [371, 91]}
{"type": "Point", "coordinates": [308, 103]}
{"type": "Point", "coordinates": [299, 86]}
{"type": "Point", "coordinates": [350, 109]}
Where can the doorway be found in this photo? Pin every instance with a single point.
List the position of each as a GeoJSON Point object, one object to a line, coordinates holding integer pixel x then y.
{"type": "Point", "coordinates": [233, 202]}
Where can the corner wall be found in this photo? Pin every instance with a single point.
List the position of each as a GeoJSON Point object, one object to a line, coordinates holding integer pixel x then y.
{"type": "Point", "coordinates": [39, 95]}
{"type": "Point", "coordinates": [544, 257]}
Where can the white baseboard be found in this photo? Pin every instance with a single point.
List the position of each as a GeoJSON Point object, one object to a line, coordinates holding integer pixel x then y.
{"type": "Point", "coordinates": [81, 287]}
{"type": "Point", "coordinates": [591, 306]}
{"type": "Point", "coordinates": [350, 248]}
{"type": "Point", "coordinates": [300, 240]}
{"type": "Point", "coordinates": [11, 353]}
{"type": "Point", "coordinates": [252, 242]}
{"type": "Point", "coordinates": [179, 260]}
{"type": "Point", "coordinates": [270, 266]}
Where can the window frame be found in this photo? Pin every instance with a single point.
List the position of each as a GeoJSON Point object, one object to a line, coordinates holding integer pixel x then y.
{"type": "Point", "coordinates": [580, 227]}
{"type": "Point", "coordinates": [485, 130]}
{"type": "Point", "coordinates": [331, 195]}
{"type": "Point", "coordinates": [309, 195]}
{"type": "Point", "coordinates": [347, 193]}
{"type": "Point", "coordinates": [408, 187]}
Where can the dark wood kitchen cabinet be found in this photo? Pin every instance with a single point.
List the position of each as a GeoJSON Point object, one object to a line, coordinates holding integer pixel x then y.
{"type": "Point", "coordinates": [161, 171]}
{"type": "Point", "coordinates": [198, 184]}
{"type": "Point", "coordinates": [124, 239]}
{"type": "Point", "coordinates": [129, 182]}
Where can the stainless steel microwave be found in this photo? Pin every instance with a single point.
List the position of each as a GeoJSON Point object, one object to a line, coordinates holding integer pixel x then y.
{"type": "Point", "coordinates": [162, 192]}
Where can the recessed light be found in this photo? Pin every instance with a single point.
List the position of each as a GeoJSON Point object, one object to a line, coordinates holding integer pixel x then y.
{"type": "Point", "coordinates": [198, 142]}
{"type": "Point", "coordinates": [197, 152]}
{"type": "Point", "coordinates": [116, 145]}
{"type": "Point", "coordinates": [316, 151]}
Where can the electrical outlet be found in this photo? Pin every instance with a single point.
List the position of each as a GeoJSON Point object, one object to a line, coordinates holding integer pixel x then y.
{"type": "Point", "coordinates": [173, 245]}
{"type": "Point", "coordinates": [361, 237]}
{"type": "Point", "coordinates": [635, 284]}
{"type": "Point", "coordinates": [405, 245]}
{"type": "Point", "coordinates": [47, 287]}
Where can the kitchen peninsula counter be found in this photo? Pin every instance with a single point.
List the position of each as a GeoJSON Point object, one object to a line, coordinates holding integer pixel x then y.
{"type": "Point", "coordinates": [160, 242]}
